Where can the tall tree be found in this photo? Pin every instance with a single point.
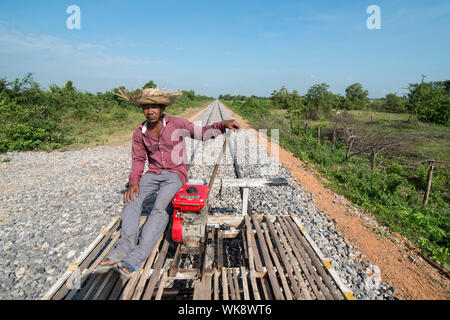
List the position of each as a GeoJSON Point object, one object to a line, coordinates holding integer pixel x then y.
{"type": "Point", "coordinates": [319, 100]}
{"type": "Point", "coordinates": [356, 95]}
{"type": "Point", "coordinates": [189, 94]}
{"type": "Point", "coordinates": [429, 101]}
{"type": "Point", "coordinates": [283, 99]}
{"type": "Point", "coordinates": [280, 98]}
{"type": "Point", "coordinates": [394, 103]}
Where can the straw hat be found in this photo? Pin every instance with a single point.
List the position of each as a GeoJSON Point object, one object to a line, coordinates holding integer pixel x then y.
{"type": "Point", "coordinates": [150, 96]}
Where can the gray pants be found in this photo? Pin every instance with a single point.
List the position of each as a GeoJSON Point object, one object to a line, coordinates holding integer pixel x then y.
{"type": "Point", "coordinates": [127, 248]}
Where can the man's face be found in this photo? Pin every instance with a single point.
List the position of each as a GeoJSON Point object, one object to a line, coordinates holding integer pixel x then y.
{"type": "Point", "coordinates": [153, 112]}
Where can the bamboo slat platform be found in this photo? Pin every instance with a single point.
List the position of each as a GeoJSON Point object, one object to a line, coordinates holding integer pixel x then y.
{"type": "Point", "coordinates": [275, 259]}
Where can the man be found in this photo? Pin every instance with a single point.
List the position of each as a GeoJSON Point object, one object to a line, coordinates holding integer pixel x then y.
{"type": "Point", "coordinates": [158, 138]}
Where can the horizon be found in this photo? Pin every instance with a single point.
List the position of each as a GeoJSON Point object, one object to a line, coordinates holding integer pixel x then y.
{"type": "Point", "coordinates": [250, 48]}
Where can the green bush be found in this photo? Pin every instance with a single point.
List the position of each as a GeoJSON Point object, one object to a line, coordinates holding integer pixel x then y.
{"type": "Point", "coordinates": [430, 101]}
{"type": "Point", "coordinates": [88, 114]}
{"type": "Point", "coordinates": [394, 193]}
{"type": "Point", "coordinates": [23, 137]}
{"type": "Point", "coordinates": [252, 108]}
{"type": "Point", "coordinates": [35, 119]}
{"type": "Point", "coordinates": [118, 113]}
{"type": "Point", "coordinates": [395, 168]}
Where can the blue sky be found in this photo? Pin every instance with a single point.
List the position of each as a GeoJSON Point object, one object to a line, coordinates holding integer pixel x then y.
{"type": "Point", "coordinates": [237, 47]}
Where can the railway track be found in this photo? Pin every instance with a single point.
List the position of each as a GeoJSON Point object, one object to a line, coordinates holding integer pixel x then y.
{"type": "Point", "coordinates": [246, 256]}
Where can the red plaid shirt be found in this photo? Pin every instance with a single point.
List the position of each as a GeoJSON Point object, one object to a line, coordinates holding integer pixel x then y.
{"type": "Point", "coordinates": [169, 152]}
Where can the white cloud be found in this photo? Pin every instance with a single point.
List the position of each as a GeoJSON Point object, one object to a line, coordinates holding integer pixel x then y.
{"type": "Point", "coordinates": [53, 59]}
{"type": "Point", "coordinates": [14, 41]}
{"type": "Point", "coordinates": [53, 47]}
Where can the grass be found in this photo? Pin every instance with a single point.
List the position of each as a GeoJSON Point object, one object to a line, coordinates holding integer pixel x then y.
{"type": "Point", "coordinates": [188, 112]}
{"type": "Point", "coordinates": [118, 132]}
{"type": "Point", "coordinates": [366, 115]}
{"type": "Point", "coordinates": [423, 138]}
{"type": "Point", "coordinates": [393, 192]}
{"type": "Point", "coordinates": [279, 111]}
{"type": "Point", "coordinates": [91, 134]}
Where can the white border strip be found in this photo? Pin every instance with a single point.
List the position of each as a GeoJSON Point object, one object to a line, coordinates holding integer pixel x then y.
{"type": "Point", "coordinates": [345, 291]}
{"type": "Point", "coordinates": [74, 266]}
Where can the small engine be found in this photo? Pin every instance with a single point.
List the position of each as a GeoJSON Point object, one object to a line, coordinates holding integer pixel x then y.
{"type": "Point", "coordinates": [189, 215]}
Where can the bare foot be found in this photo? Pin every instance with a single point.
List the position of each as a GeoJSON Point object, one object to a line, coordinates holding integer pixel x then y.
{"type": "Point", "coordinates": [107, 262]}
{"type": "Point", "coordinates": [127, 270]}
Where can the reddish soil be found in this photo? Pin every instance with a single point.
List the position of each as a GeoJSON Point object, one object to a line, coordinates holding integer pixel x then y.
{"type": "Point", "coordinates": [397, 258]}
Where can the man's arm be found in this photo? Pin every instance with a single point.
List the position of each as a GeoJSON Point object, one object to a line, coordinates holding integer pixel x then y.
{"type": "Point", "coordinates": [210, 131]}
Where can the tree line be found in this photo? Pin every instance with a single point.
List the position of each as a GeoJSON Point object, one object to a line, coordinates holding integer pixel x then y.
{"type": "Point", "coordinates": [35, 118]}
{"type": "Point", "coordinates": [425, 101]}
{"type": "Point", "coordinates": [367, 161]}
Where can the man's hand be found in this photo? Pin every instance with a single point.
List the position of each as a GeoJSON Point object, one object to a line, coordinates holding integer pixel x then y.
{"type": "Point", "coordinates": [128, 196]}
{"type": "Point", "coordinates": [231, 124]}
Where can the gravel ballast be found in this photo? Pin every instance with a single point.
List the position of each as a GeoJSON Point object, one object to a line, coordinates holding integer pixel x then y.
{"type": "Point", "coordinates": [53, 205]}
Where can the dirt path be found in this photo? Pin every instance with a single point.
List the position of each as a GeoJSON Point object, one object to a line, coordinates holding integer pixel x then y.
{"type": "Point", "coordinates": [396, 256]}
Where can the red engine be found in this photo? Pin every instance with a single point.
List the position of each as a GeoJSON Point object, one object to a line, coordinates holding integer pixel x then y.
{"type": "Point", "coordinates": [188, 226]}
